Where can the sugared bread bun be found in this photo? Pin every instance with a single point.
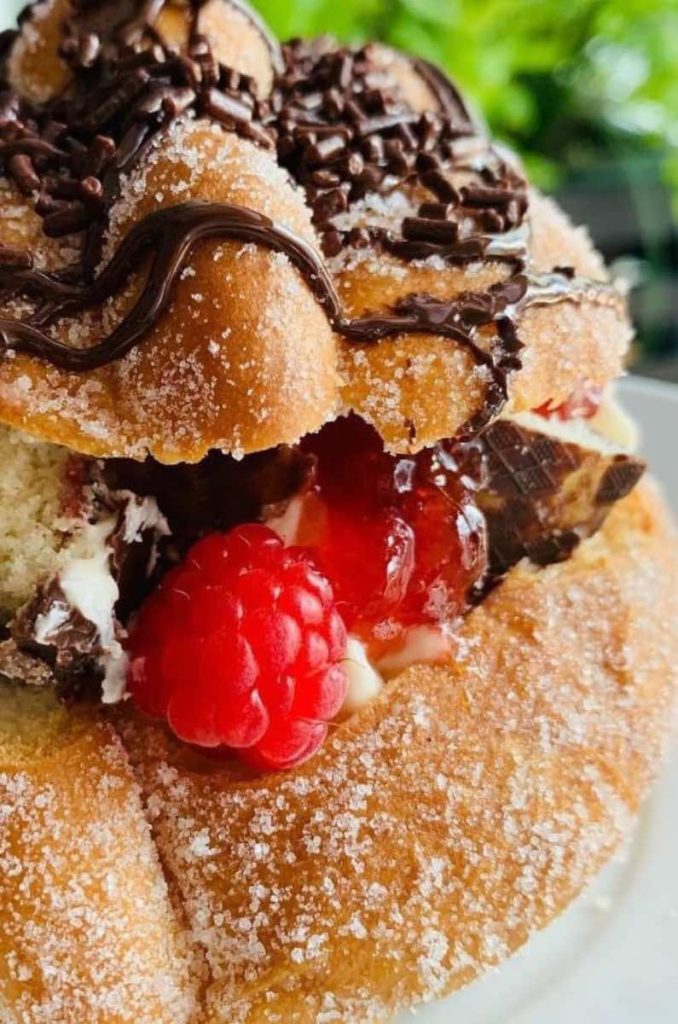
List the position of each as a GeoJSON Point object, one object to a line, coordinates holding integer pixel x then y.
{"type": "Point", "coordinates": [338, 629]}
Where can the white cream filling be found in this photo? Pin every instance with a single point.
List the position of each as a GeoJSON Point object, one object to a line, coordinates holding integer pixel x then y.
{"type": "Point", "coordinates": [611, 431]}
{"type": "Point", "coordinates": [141, 515]}
{"type": "Point", "coordinates": [426, 645]}
{"type": "Point", "coordinates": [421, 644]}
{"type": "Point", "coordinates": [613, 422]}
{"type": "Point", "coordinates": [89, 587]}
{"type": "Point", "coordinates": [49, 623]}
{"type": "Point", "coordinates": [364, 682]}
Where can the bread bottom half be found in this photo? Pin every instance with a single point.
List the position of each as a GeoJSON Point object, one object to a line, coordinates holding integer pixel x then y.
{"type": "Point", "coordinates": [438, 828]}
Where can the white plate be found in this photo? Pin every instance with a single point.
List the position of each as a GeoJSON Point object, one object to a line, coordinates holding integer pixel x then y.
{"type": "Point", "coordinates": [612, 958]}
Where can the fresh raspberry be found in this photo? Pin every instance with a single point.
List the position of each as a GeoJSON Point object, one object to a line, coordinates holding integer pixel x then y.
{"type": "Point", "coordinates": [240, 647]}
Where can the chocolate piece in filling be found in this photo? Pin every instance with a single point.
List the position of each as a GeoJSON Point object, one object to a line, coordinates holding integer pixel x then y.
{"type": "Point", "coordinates": [56, 640]}
{"type": "Point", "coordinates": [543, 495]}
{"type": "Point", "coordinates": [540, 495]}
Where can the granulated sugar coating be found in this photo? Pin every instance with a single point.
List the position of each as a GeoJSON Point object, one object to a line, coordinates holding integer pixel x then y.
{"type": "Point", "coordinates": [277, 358]}
{"type": "Point", "coordinates": [450, 818]}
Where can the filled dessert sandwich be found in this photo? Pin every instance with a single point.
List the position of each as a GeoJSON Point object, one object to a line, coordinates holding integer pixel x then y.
{"type": "Point", "coordinates": [338, 614]}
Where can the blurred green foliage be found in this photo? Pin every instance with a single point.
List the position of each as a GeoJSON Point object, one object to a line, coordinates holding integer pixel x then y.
{"type": "Point", "coordinates": [570, 82]}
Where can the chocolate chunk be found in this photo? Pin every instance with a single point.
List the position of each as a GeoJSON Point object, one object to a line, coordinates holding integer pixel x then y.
{"type": "Point", "coordinates": [70, 646]}
{"type": "Point", "coordinates": [217, 493]}
{"type": "Point", "coordinates": [618, 480]}
{"type": "Point", "coordinates": [543, 495]}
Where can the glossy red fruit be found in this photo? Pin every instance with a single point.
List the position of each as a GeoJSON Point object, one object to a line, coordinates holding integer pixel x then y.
{"type": "Point", "coordinates": [583, 403]}
{"type": "Point", "coordinates": [239, 647]}
{"type": "Point", "coordinates": [400, 537]}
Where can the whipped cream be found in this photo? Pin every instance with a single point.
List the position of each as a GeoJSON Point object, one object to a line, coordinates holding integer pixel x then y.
{"type": "Point", "coordinates": [428, 645]}
{"type": "Point", "coordinates": [89, 587]}
{"type": "Point", "coordinates": [364, 682]}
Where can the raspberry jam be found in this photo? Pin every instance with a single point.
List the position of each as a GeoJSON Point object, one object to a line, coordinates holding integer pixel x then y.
{"type": "Point", "coordinates": [400, 537]}
{"type": "Point", "coordinates": [584, 403]}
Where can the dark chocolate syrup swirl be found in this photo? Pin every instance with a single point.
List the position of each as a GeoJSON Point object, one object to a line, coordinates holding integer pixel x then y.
{"type": "Point", "coordinates": [341, 128]}
{"type": "Point", "coordinates": [171, 234]}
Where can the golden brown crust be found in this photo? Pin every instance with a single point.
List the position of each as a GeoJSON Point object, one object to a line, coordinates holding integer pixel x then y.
{"type": "Point", "coordinates": [244, 357]}
{"type": "Point", "coordinates": [86, 930]}
{"type": "Point", "coordinates": [437, 829]}
{"type": "Point", "coordinates": [235, 39]}
{"type": "Point", "coordinates": [417, 389]}
{"type": "Point", "coordinates": [36, 70]}
{"type": "Point", "coordinates": [453, 816]}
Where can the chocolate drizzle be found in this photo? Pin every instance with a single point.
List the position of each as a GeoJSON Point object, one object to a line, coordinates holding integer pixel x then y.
{"type": "Point", "coordinates": [170, 234]}
{"type": "Point", "coordinates": [339, 124]}
{"type": "Point", "coordinates": [531, 506]}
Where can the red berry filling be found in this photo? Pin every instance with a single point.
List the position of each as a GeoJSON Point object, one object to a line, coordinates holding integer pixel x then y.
{"type": "Point", "coordinates": [583, 403]}
{"type": "Point", "coordinates": [400, 537]}
{"type": "Point", "coordinates": [240, 647]}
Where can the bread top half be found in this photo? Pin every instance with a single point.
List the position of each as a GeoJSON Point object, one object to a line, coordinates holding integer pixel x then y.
{"type": "Point", "coordinates": [266, 238]}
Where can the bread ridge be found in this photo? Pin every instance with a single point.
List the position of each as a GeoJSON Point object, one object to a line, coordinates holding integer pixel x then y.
{"type": "Point", "coordinates": [87, 932]}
